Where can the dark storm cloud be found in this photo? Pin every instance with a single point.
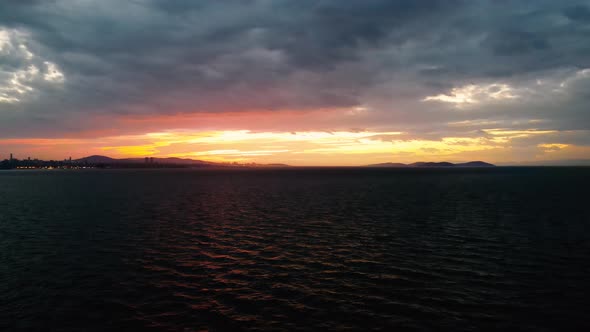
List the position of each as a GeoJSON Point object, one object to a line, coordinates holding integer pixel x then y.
{"type": "Point", "coordinates": [167, 57]}
{"type": "Point", "coordinates": [579, 12]}
{"type": "Point", "coordinates": [516, 42]}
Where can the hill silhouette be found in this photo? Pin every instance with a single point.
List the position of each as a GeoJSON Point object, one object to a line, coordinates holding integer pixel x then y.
{"type": "Point", "coordinates": [435, 164]}
{"type": "Point", "coordinates": [162, 162]}
{"type": "Point", "coordinates": [94, 159]}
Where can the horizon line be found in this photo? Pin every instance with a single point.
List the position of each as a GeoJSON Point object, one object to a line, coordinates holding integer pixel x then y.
{"type": "Point", "coordinates": [530, 163]}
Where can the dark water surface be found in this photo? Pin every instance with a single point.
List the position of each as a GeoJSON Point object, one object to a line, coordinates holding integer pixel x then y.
{"type": "Point", "coordinates": [298, 249]}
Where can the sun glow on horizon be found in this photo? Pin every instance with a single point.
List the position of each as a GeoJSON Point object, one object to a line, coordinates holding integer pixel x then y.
{"type": "Point", "coordinates": [307, 148]}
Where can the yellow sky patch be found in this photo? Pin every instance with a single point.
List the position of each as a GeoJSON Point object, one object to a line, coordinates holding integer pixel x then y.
{"type": "Point", "coordinates": [301, 148]}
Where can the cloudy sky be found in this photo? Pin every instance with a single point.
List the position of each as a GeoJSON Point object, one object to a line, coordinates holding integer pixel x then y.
{"type": "Point", "coordinates": [303, 82]}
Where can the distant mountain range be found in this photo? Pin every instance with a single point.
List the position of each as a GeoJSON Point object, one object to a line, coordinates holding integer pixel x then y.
{"type": "Point", "coordinates": [96, 159]}
{"type": "Point", "coordinates": [435, 164]}
{"type": "Point", "coordinates": [104, 160]}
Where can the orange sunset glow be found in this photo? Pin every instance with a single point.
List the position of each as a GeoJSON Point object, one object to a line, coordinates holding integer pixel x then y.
{"type": "Point", "coordinates": [299, 148]}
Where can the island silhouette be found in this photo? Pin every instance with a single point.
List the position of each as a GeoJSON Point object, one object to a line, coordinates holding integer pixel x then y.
{"type": "Point", "coordinates": [435, 164]}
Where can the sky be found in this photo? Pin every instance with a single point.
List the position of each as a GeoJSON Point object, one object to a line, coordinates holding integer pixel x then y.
{"type": "Point", "coordinates": [324, 82]}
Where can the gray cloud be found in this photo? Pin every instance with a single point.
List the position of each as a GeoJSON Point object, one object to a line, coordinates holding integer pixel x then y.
{"type": "Point", "coordinates": [578, 12]}
{"type": "Point", "coordinates": [157, 57]}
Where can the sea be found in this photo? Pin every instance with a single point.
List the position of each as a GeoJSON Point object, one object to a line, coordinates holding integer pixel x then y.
{"type": "Point", "coordinates": [296, 249]}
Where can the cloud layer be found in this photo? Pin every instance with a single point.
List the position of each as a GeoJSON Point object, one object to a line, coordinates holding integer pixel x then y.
{"type": "Point", "coordinates": [428, 69]}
